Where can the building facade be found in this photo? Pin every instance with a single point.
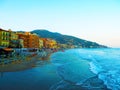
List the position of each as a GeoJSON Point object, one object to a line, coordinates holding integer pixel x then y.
{"type": "Point", "coordinates": [49, 43]}
{"type": "Point", "coordinates": [33, 41]}
{"type": "Point", "coordinates": [29, 40]}
{"type": "Point", "coordinates": [4, 38]}
{"type": "Point", "coordinates": [40, 43]}
{"type": "Point", "coordinates": [13, 35]}
{"type": "Point", "coordinates": [13, 39]}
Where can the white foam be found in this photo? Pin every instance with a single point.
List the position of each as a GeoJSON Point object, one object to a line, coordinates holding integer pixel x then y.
{"type": "Point", "coordinates": [95, 68]}
{"type": "Point", "coordinates": [103, 62]}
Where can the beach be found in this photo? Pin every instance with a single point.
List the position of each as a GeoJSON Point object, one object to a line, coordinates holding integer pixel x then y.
{"type": "Point", "coordinates": [60, 71]}
{"type": "Point", "coordinates": [23, 62]}
{"type": "Point", "coordinates": [41, 77]}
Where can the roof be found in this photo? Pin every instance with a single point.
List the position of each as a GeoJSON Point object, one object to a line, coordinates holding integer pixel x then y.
{"type": "Point", "coordinates": [3, 30]}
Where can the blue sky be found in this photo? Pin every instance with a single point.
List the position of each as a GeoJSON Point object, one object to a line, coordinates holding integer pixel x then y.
{"type": "Point", "coordinates": [94, 20]}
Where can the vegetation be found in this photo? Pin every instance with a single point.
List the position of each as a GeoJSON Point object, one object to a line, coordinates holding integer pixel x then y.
{"type": "Point", "coordinates": [66, 39]}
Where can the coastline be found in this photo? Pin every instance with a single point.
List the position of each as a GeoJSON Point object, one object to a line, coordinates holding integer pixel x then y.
{"type": "Point", "coordinates": [28, 62]}
{"type": "Point", "coordinates": [82, 70]}
{"type": "Point", "coordinates": [75, 73]}
{"type": "Point", "coordinates": [83, 76]}
{"type": "Point", "coordinates": [42, 75]}
{"type": "Point", "coordinates": [91, 82]}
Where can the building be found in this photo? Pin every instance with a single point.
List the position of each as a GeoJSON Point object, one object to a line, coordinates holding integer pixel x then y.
{"type": "Point", "coordinates": [21, 43]}
{"type": "Point", "coordinates": [13, 39]}
{"type": "Point", "coordinates": [44, 42]}
{"type": "Point", "coordinates": [29, 40]}
{"type": "Point", "coordinates": [23, 37]}
{"type": "Point", "coordinates": [4, 38]}
{"type": "Point", "coordinates": [49, 43]}
{"type": "Point", "coordinates": [13, 35]}
{"type": "Point", "coordinates": [33, 41]}
{"type": "Point", "coordinates": [52, 43]}
{"type": "Point", "coordinates": [41, 43]}
{"type": "Point", "coordinates": [62, 45]}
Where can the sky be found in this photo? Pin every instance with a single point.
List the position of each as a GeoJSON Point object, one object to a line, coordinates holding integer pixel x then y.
{"type": "Point", "coordinates": [93, 20]}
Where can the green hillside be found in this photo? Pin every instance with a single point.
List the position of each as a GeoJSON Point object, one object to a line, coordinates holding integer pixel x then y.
{"type": "Point", "coordinates": [66, 39]}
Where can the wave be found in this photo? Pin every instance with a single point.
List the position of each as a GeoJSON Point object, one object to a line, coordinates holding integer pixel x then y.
{"type": "Point", "coordinates": [78, 66]}
{"type": "Point", "coordinates": [106, 65]}
{"type": "Point", "coordinates": [76, 70]}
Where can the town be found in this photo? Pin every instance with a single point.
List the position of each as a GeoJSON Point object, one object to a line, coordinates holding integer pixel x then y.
{"type": "Point", "coordinates": [12, 39]}
{"type": "Point", "coordinates": [16, 47]}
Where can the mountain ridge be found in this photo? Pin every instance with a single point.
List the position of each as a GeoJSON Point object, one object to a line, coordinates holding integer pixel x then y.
{"type": "Point", "coordinates": [67, 39]}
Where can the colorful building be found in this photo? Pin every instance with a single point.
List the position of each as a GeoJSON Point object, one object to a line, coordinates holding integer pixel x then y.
{"type": "Point", "coordinates": [53, 43]}
{"type": "Point", "coordinates": [13, 39]}
{"type": "Point", "coordinates": [44, 42]}
{"type": "Point", "coordinates": [24, 40]}
{"type": "Point", "coordinates": [33, 41]}
{"type": "Point", "coordinates": [49, 43]}
{"type": "Point", "coordinates": [63, 45]}
{"type": "Point", "coordinates": [13, 35]}
{"type": "Point", "coordinates": [4, 38]}
{"type": "Point", "coordinates": [41, 43]}
{"type": "Point", "coordinates": [23, 37]}
{"type": "Point", "coordinates": [21, 44]}
{"type": "Point", "coordinates": [29, 40]}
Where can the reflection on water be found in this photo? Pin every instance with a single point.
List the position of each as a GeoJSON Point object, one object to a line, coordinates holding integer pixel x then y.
{"type": "Point", "coordinates": [1, 74]}
{"type": "Point", "coordinates": [41, 77]}
{"type": "Point", "coordinates": [77, 69]}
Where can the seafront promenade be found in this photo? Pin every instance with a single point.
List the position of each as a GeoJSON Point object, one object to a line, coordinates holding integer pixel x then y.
{"type": "Point", "coordinates": [23, 59]}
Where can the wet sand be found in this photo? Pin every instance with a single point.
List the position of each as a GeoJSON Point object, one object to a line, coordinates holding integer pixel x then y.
{"type": "Point", "coordinates": [19, 65]}
{"type": "Point", "coordinates": [41, 77]}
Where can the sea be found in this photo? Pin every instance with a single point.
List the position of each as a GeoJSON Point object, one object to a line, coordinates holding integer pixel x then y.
{"type": "Point", "coordinates": [73, 69]}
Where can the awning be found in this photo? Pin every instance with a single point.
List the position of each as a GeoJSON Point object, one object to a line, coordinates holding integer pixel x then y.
{"type": "Point", "coordinates": [8, 49]}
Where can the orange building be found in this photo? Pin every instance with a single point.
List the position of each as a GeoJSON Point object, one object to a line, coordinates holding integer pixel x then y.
{"type": "Point", "coordinates": [24, 38]}
{"type": "Point", "coordinates": [33, 41]}
{"type": "Point", "coordinates": [29, 40]}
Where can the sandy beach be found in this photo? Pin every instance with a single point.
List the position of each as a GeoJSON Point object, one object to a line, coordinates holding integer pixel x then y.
{"type": "Point", "coordinates": [19, 64]}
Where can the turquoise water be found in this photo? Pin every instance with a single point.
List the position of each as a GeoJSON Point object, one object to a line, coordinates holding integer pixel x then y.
{"type": "Point", "coordinates": [41, 77]}
{"type": "Point", "coordinates": [75, 69]}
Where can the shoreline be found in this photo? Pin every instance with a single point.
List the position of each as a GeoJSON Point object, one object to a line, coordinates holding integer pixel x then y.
{"type": "Point", "coordinates": [93, 82]}
{"type": "Point", "coordinates": [28, 63]}
{"type": "Point", "coordinates": [81, 77]}
{"type": "Point", "coordinates": [84, 66]}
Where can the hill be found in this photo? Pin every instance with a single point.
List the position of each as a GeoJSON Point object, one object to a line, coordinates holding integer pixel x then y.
{"type": "Point", "coordinates": [66, 39]}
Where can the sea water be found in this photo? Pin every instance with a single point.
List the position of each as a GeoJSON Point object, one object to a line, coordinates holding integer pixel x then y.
{"type": "Point", "coordinates": [75, 69]}
{"type": "Point", "coordinates": [91, 69]}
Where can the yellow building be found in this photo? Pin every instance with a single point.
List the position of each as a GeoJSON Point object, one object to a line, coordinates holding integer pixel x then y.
{"type": "Point", "coordinates": [49, 43]}
{"type": "Point", "coordinates": [14, 41]}
{"type": "Point", "coordinates": [13, 35]}
{"type": "Point", "coordinates": [40, 43]}
{"type": "Point", "coordinates": [4, 38]}
{"type": "Point", "coordinates": [53, 44]}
